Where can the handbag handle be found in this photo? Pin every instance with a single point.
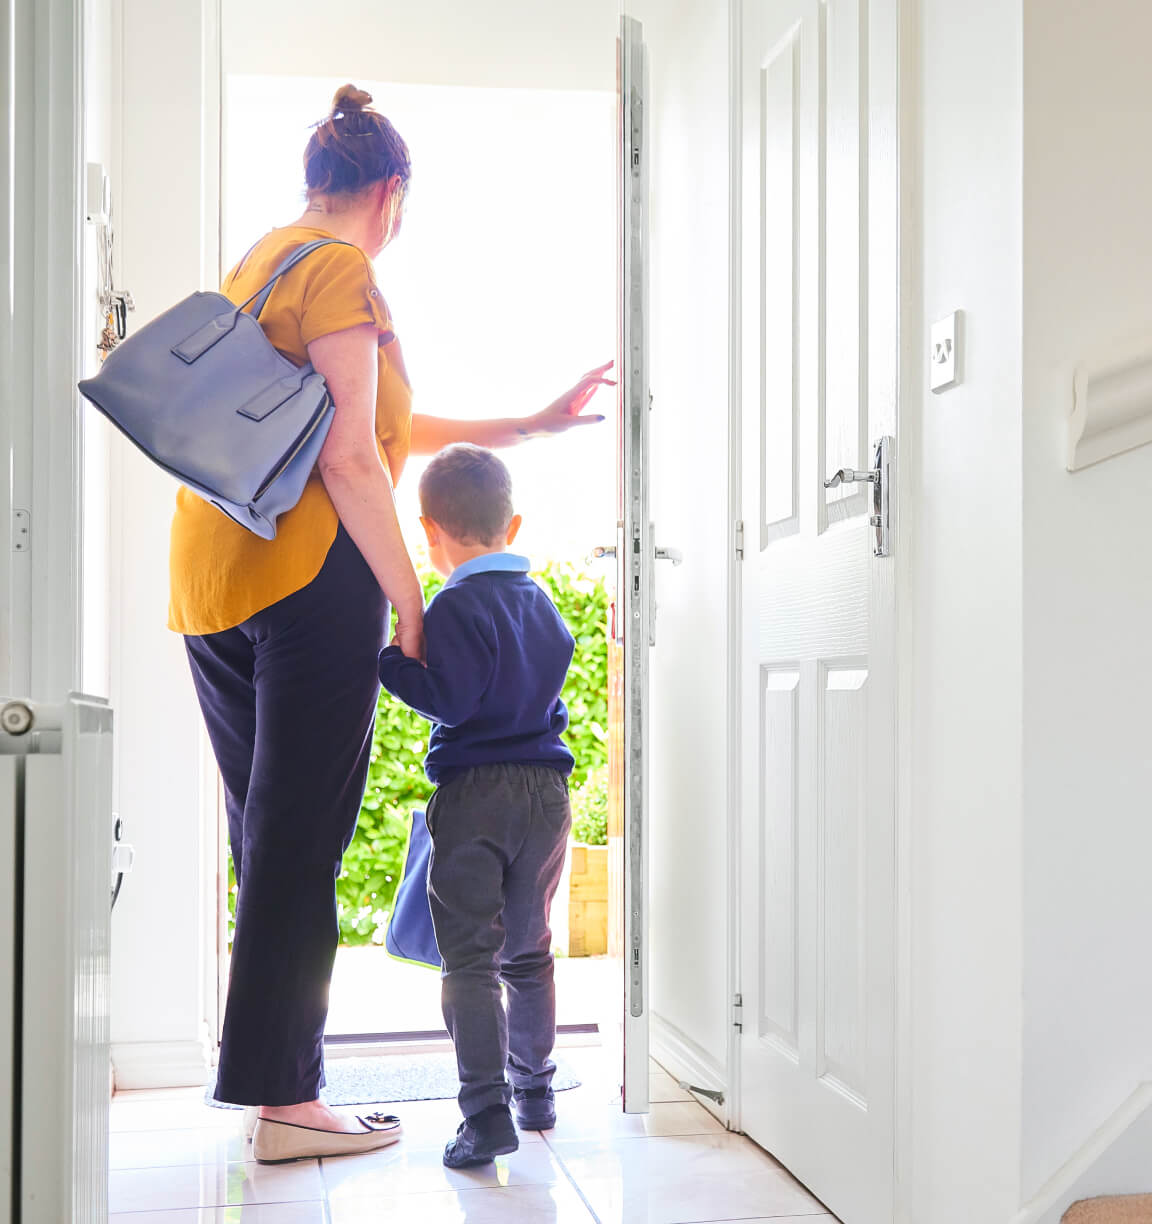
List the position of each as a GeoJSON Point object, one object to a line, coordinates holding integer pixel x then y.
{"type": "Point", "coordinates": [260, 297]}
{"type": "Point", "coordinates": [197, 344]}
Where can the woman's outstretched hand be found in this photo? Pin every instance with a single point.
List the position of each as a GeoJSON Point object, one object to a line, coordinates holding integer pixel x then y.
{"type": "Point", "coordinates": [564, 413]}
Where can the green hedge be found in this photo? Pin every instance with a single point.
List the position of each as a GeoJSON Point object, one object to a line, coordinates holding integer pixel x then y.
{"type": "Point", "coordinates": [396, 781]}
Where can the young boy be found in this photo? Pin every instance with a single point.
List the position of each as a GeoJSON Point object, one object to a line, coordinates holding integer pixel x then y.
{"type": "Point", "coordinates": [498, 655]}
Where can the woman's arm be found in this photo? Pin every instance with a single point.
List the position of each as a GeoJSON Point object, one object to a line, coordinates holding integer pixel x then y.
{"type": "Point", "coordinates": [431, 434]}
{"type": "Point", "coordinates": [461, 658]}
{"type": "Point", "coordinates": [356, 479]}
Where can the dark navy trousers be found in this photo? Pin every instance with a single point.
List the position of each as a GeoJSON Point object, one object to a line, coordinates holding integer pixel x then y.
{"type": "Point", "coordinates": [499, 834]}
{"type": "Point", "coordinates": [289, 698]}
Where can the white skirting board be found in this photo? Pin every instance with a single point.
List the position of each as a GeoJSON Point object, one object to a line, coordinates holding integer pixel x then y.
{"type": "Point", "coordinates": [161, 1064]}
{"type": "Point", "coordinates": [688, 1061]}
{"type": "Point", "coordinates": [1116, 1159]}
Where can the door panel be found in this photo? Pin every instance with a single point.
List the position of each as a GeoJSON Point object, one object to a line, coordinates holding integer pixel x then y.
{"type": "Point", "coordinates": [779, 865]}
{"type": "Point", "coordinates": [778, 203]}
{"type": "Point", "coordinates": [819, 301]}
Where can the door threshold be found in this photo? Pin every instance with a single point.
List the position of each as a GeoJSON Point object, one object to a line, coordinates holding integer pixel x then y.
{"type": "Point", "coordinates": [436, 1041]}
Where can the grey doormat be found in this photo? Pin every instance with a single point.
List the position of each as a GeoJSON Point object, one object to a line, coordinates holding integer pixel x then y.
{"type": "Point", "coordinates": [396, 1077]}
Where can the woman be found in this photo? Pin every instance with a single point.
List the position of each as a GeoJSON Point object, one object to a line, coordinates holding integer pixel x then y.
{"type": "Point", "coordinates": [282, 635]}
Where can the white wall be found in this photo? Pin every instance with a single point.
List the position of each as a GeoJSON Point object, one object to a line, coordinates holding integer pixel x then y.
{"type": "Point", "coordinates": [960, 490]}
{"type": "Point", "coordinates": [163, 926]}
{"type": "Point", "coordinates": [1032, 1076]}
{"type": "Point", "coordinates": [528, 44]}
{"type": "Point", "coordinates": [1087, 589]}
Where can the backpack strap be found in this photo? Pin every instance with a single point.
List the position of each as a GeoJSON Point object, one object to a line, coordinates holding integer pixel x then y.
{"type": "Point", "coordinates": [260, 297]}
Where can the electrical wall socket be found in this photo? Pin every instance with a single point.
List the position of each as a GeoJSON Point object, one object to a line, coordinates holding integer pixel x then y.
{"type": "Point", "coordinates": [944, 355]}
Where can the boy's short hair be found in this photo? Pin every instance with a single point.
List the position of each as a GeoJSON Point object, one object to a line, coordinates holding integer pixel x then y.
{"type": "Point", "coordinates": [468, 491]}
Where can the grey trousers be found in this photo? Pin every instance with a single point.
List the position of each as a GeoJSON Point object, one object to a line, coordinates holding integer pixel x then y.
{"type": "Point", "coordinates": [498, 840]}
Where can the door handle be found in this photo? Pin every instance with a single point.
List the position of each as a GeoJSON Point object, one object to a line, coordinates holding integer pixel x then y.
{"type": "Point", "coordinates": [662, 554]}
{"type": "Point", "coordinates": [879, 476]}
{"type": "Point", "coordinates": [849, 476]}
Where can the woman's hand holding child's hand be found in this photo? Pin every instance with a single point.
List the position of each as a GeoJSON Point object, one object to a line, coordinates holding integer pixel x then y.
{"type": "Point", "coordinates": [409, 636]}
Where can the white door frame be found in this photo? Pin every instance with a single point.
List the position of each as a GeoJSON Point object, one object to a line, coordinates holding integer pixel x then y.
{"type": "Point", "coordinates": [910, 382]}
{"type": "Point", "coordinates": [41, 282]}
{"type": "Point", "coordinates": [734, 787]}
{"type": "Point", "coordinates": [910, 369]}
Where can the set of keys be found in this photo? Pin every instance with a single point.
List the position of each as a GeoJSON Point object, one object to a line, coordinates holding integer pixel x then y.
{"type": "Point", "coordinates": [116, 322]}
{"type": "Point", "coordinates": [115, 303]}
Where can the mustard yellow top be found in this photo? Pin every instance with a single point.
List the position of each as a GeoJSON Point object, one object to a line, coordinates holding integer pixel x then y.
{"type": "Point", "coordinates": [220, 573]}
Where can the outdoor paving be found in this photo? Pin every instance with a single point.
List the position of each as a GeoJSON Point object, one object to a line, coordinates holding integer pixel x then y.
{"type": "Point", "coordinates": [373, 993]}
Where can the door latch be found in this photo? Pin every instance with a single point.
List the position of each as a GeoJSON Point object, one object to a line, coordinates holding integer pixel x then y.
{"type": "Point", "coordinates": [879, 476]}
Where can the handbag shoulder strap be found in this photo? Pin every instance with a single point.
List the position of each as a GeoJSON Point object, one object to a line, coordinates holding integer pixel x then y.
{"type": "Point", "coordinates": [260, 297]}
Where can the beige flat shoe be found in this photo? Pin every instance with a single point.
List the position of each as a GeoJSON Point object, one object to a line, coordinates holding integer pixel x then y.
{"type": "Point", "coordinates": [281, 1142]}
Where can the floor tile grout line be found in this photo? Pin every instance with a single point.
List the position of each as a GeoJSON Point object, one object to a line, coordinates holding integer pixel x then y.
{"type": "Point", "coordinates": [686, 1135]}
{"type": "Point", "coordinates": [327, 1201]}
{"type": "Point", "coordinates": [199, 1164]}
{"type": "Point", "coordinates": [324, 1188]}
{"type": "Point", "coordinates": [571, 1179]}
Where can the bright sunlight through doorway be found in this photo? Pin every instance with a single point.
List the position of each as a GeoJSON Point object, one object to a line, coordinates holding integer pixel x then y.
{"type": "Point", "coordinates": [502, 285]}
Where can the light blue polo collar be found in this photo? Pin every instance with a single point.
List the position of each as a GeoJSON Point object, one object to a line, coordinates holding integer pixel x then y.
{"type": "Point", "coordinates": [497, 562]}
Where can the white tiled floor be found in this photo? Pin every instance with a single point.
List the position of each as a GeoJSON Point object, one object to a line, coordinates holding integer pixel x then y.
{"type": "Point", "coordinates": [177, 1161]}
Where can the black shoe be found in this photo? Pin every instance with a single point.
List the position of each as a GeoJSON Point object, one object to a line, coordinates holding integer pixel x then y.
{"type": "Point", "coordinates": [535, 1108]}
{"type": "Point", "coordinates": [482, 1137]}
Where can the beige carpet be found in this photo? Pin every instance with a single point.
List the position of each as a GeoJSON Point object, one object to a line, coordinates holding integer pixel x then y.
{"type": "Point", "coordinates": [1128, 1209]}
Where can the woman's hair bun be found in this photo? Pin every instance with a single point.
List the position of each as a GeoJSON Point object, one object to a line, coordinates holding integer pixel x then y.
{"type": "Point", "coordinates": [349, 98]}
{"type": "Point", "coordinates": [353, 148]}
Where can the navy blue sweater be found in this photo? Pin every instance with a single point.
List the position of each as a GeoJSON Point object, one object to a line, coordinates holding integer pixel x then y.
{"type": "Point", "coordinates": [498, 655]}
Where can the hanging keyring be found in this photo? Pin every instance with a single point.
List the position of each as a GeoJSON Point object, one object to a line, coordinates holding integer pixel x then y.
{"type": "Point", "coordinates": [114, 303]}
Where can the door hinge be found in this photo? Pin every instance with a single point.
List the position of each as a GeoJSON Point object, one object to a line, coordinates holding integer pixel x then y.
{"type": "Point", "coordinates": [738, 1012]}
{"type": "Point", "coordinates": [738, 539]}
{"type": "Point", "coordinates": [21, 530]}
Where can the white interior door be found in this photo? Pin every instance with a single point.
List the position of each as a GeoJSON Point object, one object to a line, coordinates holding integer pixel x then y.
{"type": "Point", "coordinates": [819, 270]}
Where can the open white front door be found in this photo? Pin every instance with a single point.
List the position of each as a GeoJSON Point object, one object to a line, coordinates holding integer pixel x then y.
{"type": "Point", "coordinates": [819, 380]}
{"type": "Point", "coordinates": [633, 607]}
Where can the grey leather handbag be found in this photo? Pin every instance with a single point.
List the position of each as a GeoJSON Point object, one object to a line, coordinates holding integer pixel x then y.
{"type": "Point", "coordinates": [204, 394]}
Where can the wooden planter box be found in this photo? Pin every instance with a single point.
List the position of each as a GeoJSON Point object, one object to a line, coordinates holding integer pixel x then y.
{"type": "Point", "coordinates": [588, 901]}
